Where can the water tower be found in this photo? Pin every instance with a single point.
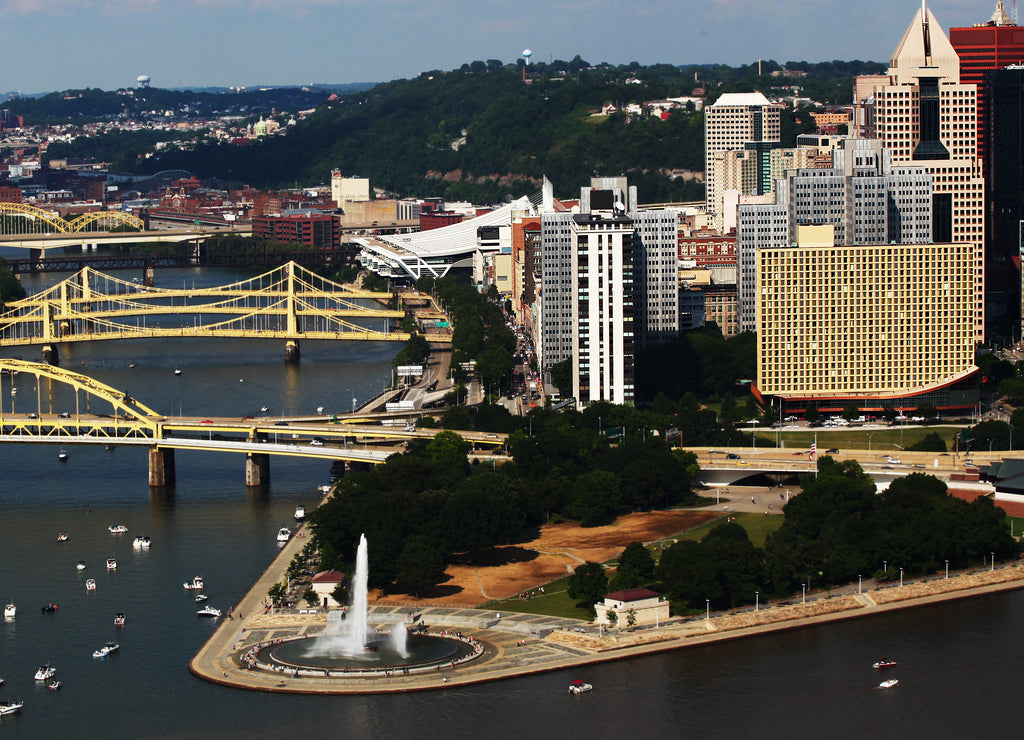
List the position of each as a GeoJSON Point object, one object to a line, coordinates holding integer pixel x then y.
{"type": "Point", "coordinates": [142, 81]}
{"type": "Point", "coordinates": [526, 56]}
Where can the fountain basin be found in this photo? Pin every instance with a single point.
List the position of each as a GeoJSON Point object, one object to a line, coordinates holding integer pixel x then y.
{"type": "Point", "coordinates": [423, 652]}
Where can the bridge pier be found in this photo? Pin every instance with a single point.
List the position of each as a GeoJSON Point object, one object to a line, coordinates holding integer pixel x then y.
{"type": "Point", "coordinates": [257, 469]}
{"type": "Point", "coordinates": [161, 467]}
{"type": "Point", "coordinates": [148, 276]}
{"type": "Point", "coordinates": [291, 351]}
{"type": "Point", "coordinates": [50, 356]}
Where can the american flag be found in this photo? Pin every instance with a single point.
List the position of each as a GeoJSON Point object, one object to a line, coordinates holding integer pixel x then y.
{"type": "Point", "coordinates": [814, 449]}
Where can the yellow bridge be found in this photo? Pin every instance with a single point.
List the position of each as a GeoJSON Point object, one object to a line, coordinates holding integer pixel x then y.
{"type": "Point", "coordinates": [22, 218]}
{"type": "Point", "coordinates": [289, 303]}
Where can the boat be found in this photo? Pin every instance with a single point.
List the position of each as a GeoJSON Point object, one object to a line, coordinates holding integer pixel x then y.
{"type": "Point", "coordinates": [579, 687]}
{"type": "Point", "coordinates": [80, 565]}
{"type": "Point", "coordinates": [10, 611]}
{"type": "Point", "coordinates": [200, 598]}
{"type": "Point", "coordinates": [45, 672]}
{"type": "Point", "coordinates": [51, 607]}
{"type": "Point", "coordinates": [177, 371]}
{"type": "Point", "coordinates": [103, 652]}
{"type": "Point", "coordinates": [264, 409]}
{"type": "Point", "coordinates": [62, 455]}
{"type": "Point", "coordinates": [884, 663]}
{"type": "Point", "coordinates": [111, 564]}
{"type": "Point", "coordinates": [131, 365]}
{"type": "Point", "coordinates": [141, 543]}
{"type": "Point", "coordinates": [117, 529]}
{"type": "Point", "coordinates": [325, 488]}
{"type": "Point", "coordinates": [54, 685]}
{"type": "Point", "coordinates": [119, 619]}
{"type": "Point", "coordinates": [62, 537]}
{"type": "Point", "coordinates": [195, 585]}
{"type": "Point", "coordinates": [209, 611]}
{"type": "Point", "coordinates": [283, 534]}
{"type": "Point", "coordinates": [10, 707]}
{"type": "Point", "coordinates": [300, 513]}
{"type": "Point", "coordinates": [90, 585]}
{"type": "Point", "coordinates": [888, 684]}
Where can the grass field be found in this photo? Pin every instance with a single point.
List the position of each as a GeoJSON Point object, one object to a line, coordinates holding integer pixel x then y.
{"type": "Point", "coordinates": [887, 439]}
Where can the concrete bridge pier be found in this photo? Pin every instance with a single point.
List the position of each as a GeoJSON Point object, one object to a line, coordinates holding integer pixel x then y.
{"type": "Point", "coordinates": [148, 276]}
{"type": "Point", "coordinates": [257, 469]}
{"type": "Point", "coordinates": [50, 356]}
{"type": "Point", "coordinates": [161, 467]}
{"type": "Point", "coordinates": [291, 351]}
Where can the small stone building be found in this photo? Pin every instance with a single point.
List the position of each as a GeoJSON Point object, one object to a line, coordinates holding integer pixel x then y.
{"type": "Point", "coordinates": [648, 608]}
{"type": "Point", "coordinates": [323, 586]}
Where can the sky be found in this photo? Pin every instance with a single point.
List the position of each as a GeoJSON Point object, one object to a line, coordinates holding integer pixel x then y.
{"type": "Point", "coordinates": [50, 45]}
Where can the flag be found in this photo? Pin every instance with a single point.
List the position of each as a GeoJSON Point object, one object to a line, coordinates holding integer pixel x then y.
{"type": "Point", "coordinates": [814, 449]}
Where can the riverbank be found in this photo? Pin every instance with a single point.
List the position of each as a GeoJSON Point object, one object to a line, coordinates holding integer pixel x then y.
{"type": "Point", "coordinates": [523, 644]}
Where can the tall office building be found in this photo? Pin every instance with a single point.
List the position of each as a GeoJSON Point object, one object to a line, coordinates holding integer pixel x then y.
{"type": "Point", "coordinates": [879, 325]}
{"type": "Point", "coordinates": [609, 283]}
{"type": "Point", "coordinates": [926, 116]}
{"type": "Point", "coordinates": [862, 196]}
{"type": "Point", "coordinates": [994, 44]}
{"type": "Point", "coordinates": [739, 121]}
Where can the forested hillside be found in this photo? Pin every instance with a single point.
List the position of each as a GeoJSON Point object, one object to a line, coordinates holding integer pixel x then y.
{"type": "Point", "coordinates": [479, 133]}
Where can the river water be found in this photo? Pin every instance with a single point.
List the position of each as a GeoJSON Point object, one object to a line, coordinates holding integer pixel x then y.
{"type": "Point", "coordinates": [959, 662]}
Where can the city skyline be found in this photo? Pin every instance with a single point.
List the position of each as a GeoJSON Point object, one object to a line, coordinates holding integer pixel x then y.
{"type": "Point", "coordinates": [219, 43]}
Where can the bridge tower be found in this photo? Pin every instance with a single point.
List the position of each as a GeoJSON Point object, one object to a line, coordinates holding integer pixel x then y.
{"type": "Point", "coordinates": [161, 467]}
{"type": "Point", "coordinates": [291, 347]}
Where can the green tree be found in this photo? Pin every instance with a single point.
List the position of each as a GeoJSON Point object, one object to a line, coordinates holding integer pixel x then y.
{"type": "Point", "coordinates": [595, 498]}
{"type": "Point", "coordinates": [635, 569]}
{"type": "Point", "coordinates": [587, 585]}
{"type": "Point", "coordinates": [561, 376]}
{"type": "Point", "coordinates": [420, 565]}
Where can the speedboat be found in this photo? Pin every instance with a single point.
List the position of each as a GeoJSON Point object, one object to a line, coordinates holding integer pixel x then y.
{"type": "Point", "coordinates": [51, 607]}
{"type": "Point", "coordinates": [90, 585]}
{"type": "Point", "coordinates": [80, 565]}
{"type": "Point", "coordinates": [10, 611]}
{"type": "Point", "coordinates": [62, 455]}
{"type": "Point", "coordinates": [177, 371]}
{"type": "Point", "coordinates": [579, 687]}
{"type": "Point", "coordinates": [888, 684]}
{"type": "Point", "coordinates": [200, 598]}
{"type": "Point", "coordinates": [325, 488]}
{"type": "Point", "coordinates": [884, 663]}
{"type": "Point", "coordinates": [62, 537]}
{"type": "Point", "coordinates": [264, 409]}
{"type": "Point", "coordinates": [117, 529]}
{"type": "Point", "coordinates": [300, 513]}
{"type": "Point", "coordinates": [45, 672]}
{"type": "Point", "coordinates": [103, 652]}
{"type": "Point", "coordinates": [283, 534]}
{"type": "Point", "coordinates": [111, 564]}
{"type": "Point", "coordinates": [195, 585]}
{"type": "Point", "coordinates": [119, 619]}
{"type": "Point", "coordinates": [141, 543]}
{"type": "Point", "coordinates": [54, 685]}
{"type": "Point", "coordinates": [209, 611]}
{"type": "Point", "coordinates": [10, 707]}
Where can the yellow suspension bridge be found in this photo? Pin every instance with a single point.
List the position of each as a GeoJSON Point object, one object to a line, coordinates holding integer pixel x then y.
{"type": "Point", "coordinates": [289, 303]}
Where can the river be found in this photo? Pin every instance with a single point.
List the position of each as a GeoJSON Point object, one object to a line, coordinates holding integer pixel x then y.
{"type": "Point", "coordinates": [959, 661]}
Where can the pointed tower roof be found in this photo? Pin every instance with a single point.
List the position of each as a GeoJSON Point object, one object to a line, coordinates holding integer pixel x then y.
{"type": "Point", "coordinates": [924, 51]}
{"type": "Point", "coordinates": [1001, 17]}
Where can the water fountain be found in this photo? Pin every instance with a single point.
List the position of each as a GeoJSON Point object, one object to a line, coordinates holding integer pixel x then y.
{"type": "Point", "coordinates": [349, 644]}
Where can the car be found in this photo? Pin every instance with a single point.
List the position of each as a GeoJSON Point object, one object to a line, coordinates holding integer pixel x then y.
{"type": "Point", "coordinates": [832, 451]}
{"type": "Point", "coordinates": [732, 456]}
{"type": "Point", "coordinates": [790, 418]}
{"type": "Point", "coordinates": [316, 443]}
{"type": "Point", "coordinates": [894, 461]}
{"type": "Point", "coordinates": [64, 415]}
{"type": "Point", "coordinates": [280, 423]}
{"type": "Point", "coordinates": [742, 462]}
{"type": "Point", "coordinates": [206, 421]}
{"type": "Point", "coordinates": [33, 415]}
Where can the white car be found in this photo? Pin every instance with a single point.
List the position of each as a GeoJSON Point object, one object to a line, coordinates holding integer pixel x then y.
{"type": "Point", "coordinates": [894, 461]}
{"type": "Point", "coordinates": [316, 443]}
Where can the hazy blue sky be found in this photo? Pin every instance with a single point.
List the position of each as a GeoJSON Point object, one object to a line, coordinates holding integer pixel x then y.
{"type": "Point", "coordinates": [61, 44]}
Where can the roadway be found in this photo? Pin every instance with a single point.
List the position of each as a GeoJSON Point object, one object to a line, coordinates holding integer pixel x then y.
{"type": "Point", "coordinates": [43, 242]}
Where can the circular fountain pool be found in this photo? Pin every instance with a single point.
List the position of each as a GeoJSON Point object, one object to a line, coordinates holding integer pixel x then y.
{"type": "Point", "coordinates": [421, 651]}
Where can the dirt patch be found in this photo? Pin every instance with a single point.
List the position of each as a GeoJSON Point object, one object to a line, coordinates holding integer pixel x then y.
{"type": "Point", "coordinates": [552, 554]}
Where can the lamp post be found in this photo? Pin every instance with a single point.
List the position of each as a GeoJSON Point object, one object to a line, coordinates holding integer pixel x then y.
{"type": "Point", "coordinates": [885, 566]}
{"type": "Point", "coordinates": [757, 603]}
{"type": "Point", "coordinates": [707, 607]}
{"type": "Point", "coordinates": [859, 581]}
{"type": "Point", "coordinates": [901, 577]}
{"type": "Point", "coordinates": [870, 435]}
{"type": "Point", "coordinates": [803, 593]}
{"type": "Point", "coordinates": [992, 557]}
{"type": "Point", "coordinates": [947, 569]}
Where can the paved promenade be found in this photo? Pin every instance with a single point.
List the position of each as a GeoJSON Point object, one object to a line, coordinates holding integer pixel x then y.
{"type": "Point", "coordinates": [521, 644]}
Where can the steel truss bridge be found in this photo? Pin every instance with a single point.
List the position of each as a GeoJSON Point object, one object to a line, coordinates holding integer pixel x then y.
{"type": "Point", "coordinates": [22, 218]}
{"type": "Point", "coordinates": [101, 414]}
{"type": "Point", "coordinates": [289, 303]}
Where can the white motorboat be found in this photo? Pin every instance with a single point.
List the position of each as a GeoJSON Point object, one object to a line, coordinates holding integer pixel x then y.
{"type": "Point", "coordinates": [325, 488]}
{"type": "Point", "coordinates": [10, 611]}
{"type": "Point", "coordinates": [80, 565]}
{"type": "Point", "coordinates": [62, 455]}
{"type": "Point", "coordinates": [90, 585]}
{"type": "Point", "coordinates": [117, 529]}
{"type": "Point", "coordinates": [177, 371]}
{"type": "Point", "coordinates": [283, 535]}
{"type": "Point", "coordinates": [62, 537]}
{"type": "Point", "coordinates": [209, 611]}
{"type": "Point", "coordinates": [111, 564]}
{"type": "Point", "coordinates": [888, 684]}
{"type": "Point", "coordinates": [579, 687]}
{"type": "Point", "coordinates": [45, 672]}
{"type": "Point", "coordinates": [195, 585]}
{"type": "Point", "coordinates": [264, 409]}
{"type": "Point", "coordinates": [103, 652]}
{"type": "Point", "coordinates": [54, 685]}
{"type": "Point", "coordinates": [200, 598]}
{"type": "Point", "coordinates": [141, 543]}
{"type": "Point", "coordinates": [119, 619]}
{"type": "Point", "coordinates": [10, 707]}
{"type": "Point", "coordinates": [300, 513]}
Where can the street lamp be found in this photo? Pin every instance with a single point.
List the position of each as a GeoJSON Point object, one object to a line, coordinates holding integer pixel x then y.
{"type": "Point", "coordinates": [803, 593]}
{"type": "Point", "coordinates": [707, 607]}
{"type": "Point", "coordinates": [757, 603]}
{"type": "Point", "coordinates": [993, 560]}
{"type": "Point", "coordinates": [901, 577]}
{"type": "Point", "coordinates": [859, 590]}
{"type": "Point", "coordinates": [947, 569]}
{"type": "Point", "coordinates": [885, 566]}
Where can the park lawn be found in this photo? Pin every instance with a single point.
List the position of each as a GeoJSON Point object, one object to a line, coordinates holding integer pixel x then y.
{"type": "Point", "coordinates": [882, 440]}
{"type": "Point", "coordinates": [554, 602]}
{"type": "Point", "coordinates": [758, 528]}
